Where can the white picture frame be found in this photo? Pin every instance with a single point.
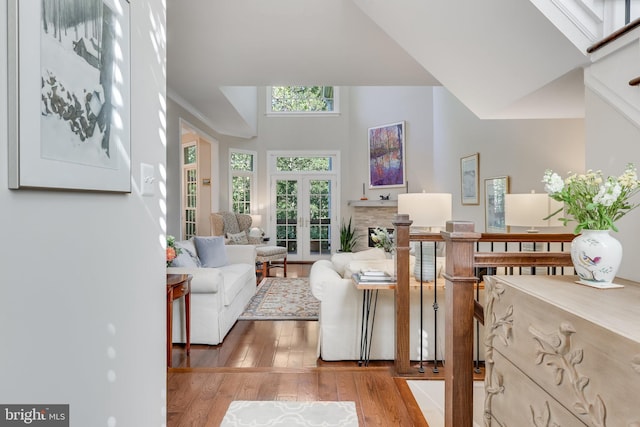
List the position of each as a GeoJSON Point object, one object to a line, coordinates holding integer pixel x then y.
{"type": "Point", "coordinates": [387, 156]}
{"type": "Point", "coordinates": [470, 179]}
{"type": "Point", "coordinates": [69, 95]}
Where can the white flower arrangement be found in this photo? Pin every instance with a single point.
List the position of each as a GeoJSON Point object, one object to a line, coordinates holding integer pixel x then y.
{"type": "Point", "coordinates": [593, 202]}
{"type": "Point", "coordinates": [381, 238]}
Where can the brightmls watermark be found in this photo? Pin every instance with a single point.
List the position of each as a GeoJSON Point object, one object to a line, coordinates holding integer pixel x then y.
{"type": "Point", "coordinates": [34, 415]}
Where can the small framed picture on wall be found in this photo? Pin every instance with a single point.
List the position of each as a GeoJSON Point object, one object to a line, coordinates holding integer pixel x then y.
{"type": "Point", "coordinates": [495, 190]}
{"type": "Point", "coordinates": [470, 179]}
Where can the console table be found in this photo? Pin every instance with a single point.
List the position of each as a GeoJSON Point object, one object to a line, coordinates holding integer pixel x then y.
{"type": "Point", "coordinates": [559, 353]}
{"type": "Point", "coordinates": [369, 296]}
{"type": "Point", "coordinates": [178, 285]}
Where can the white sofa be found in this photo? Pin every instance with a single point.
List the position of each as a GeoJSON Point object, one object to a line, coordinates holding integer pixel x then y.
{"type": "Point", "coordinates": [341, 312]}
{"type": "Point", "coordinates": [218, 295]}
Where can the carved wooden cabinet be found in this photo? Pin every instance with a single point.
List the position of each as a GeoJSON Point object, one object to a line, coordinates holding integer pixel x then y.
{"type": "Point", "coordinates": [561, 354]}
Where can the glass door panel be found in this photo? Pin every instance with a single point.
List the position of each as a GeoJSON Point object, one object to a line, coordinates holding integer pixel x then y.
{"type": "Point", "coordinates": [287, 215]}
{"type": "Point", "coordinates": [320, 212]}
{"type": "Point", "coordinates": [304, 211]}
{"type": "Point", "coordinates": [189, 203]}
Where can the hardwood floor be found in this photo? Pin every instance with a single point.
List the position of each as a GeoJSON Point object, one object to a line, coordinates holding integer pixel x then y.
{"type": "Point", "coordinates": [276, 360]}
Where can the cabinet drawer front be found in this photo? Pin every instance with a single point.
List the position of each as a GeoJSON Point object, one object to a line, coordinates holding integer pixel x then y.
{"type": "Point", "coordinates": [588, 369]}
{"type": "Point", "coordinates": [180, 291]}
{"type": "Point", "coordinates": [512, 399]}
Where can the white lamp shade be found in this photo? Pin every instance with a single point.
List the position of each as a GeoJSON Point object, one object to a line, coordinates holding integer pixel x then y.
{"type": "Point", "coordinates": [256, 220]}
{"type": "Point", "coordinates": [529, 209]}
{"type": "Point", "coordinates": [426, 209]}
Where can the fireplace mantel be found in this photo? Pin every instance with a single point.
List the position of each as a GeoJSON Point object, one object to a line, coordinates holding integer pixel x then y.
{"type": "Point", "coordinates": [371, 213]}
{"type": "Point", "coordinates": [373, 203]}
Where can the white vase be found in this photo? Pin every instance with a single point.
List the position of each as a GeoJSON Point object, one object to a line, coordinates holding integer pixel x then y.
{"type": "Point", "coordinates": [424, 262]}
{"type": "Point", "coordinates": [596, 256]}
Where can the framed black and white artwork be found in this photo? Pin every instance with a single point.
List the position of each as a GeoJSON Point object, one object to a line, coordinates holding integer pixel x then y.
{"type": "Point", "coordinates": [69, 95]}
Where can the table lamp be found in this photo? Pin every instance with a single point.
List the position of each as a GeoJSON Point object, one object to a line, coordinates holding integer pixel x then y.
{"type": "Point", "coordinates": [529, 210]}
{"type": "Point", "coordinates": [426, 210]}
{"type": "Point", "coordinates": [256, 223]}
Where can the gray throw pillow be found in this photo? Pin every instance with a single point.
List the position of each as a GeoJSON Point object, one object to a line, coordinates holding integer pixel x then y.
{"type": "Point", "coordinates": [211, 251]}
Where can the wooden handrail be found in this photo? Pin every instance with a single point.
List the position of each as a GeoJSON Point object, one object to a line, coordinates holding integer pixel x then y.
{"type": "Point", "coordinates": [522, 259]}
{"type": "Point", "coordinates": [527, 237]}
{"type": "Point", "coordinates": [501, 237]}
{"type": "Point", "coordinates": [615, 35]}
{"type": "Point", "coordinates": [635, 82]}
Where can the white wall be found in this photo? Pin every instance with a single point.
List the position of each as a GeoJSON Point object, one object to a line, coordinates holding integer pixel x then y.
{"type": "Point", "coordinates": [374, 106]}
{"type": "Point", "coordinates": [176, 112]}
{"type": "Point", "coordinates": [612, 142]}
{"type": "Point", "coordinates": [439, 131]}
{"type": "Point", "coordinates": [360, 108]}
{"type": "Point", "coordinates": [520, 149]}
{"type": "Point", "coordinates": [82, 317]}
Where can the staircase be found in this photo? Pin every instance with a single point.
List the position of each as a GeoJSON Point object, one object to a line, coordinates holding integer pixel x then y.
{"type": "Point", "coordinates": [614, 73]}
{"type": "Point", "coordinates": [518, 59]}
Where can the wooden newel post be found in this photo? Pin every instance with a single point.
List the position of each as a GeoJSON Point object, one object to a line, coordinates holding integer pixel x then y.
{"type": "Point", "coordinates": [401, 295]}
{"type": "Point", "coordinates": [460, 239]}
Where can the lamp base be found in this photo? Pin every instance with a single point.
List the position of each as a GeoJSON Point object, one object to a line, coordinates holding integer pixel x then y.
{"type": "Point", "coordinates": [256, 232]}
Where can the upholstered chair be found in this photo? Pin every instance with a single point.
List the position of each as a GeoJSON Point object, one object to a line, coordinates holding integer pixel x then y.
{"type": "Point", "coordinates": [234, 227]}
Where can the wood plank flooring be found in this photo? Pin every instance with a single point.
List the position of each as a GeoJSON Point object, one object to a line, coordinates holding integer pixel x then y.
{"type": "Point", "coordinates": [276, 360]}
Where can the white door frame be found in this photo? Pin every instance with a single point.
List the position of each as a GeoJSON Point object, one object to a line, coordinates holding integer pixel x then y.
{"type": "Point", "coordinates": [333, 176]}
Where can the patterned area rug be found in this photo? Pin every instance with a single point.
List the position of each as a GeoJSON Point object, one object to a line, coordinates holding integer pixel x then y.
{"type": "Point", "coordinates": [290, 414]}
{"type": "Point", "coordinates": [282, 298]}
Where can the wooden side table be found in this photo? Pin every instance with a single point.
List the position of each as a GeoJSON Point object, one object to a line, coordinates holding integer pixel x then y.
{"type": "Point", "coordinates": [178, 285]}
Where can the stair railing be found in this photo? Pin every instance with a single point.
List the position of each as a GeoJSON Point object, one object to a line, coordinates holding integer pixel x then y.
{"type": "Point", "coordinates": [463, 261]}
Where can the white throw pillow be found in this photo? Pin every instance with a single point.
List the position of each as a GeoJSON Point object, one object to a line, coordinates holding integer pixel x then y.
{"type": "Point", "coordinates": [211, 251]}
{"type": "Point", "coordinates": [188, 256]}
{"type": "Point", "coordinates": [184, 260]}
{"type": "Point", "coordinates": [238, 238]}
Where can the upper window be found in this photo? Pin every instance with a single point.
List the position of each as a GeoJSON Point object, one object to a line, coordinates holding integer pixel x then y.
{"type": "Point", "coordinates": [304, 163]}
{"type": "Point", "coordinates": [302, 99]}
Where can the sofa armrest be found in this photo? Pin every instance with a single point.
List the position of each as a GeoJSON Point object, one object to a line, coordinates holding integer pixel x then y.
{"type": "Point", "coordinates": [205, 280]}
{"type": "Point", "coordinates": [241, 254]}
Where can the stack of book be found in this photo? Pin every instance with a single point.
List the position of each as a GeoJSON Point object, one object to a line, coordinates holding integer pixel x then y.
{"type": "Point", "coordinates": [374, 276]}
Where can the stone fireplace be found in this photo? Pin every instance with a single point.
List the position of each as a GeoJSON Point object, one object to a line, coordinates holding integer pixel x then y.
{"type": "Point", "coordinates": [369, 214]}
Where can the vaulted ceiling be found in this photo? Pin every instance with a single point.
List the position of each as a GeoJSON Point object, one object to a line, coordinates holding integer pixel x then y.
{"type": "Point", "coordinates": [493, 59]}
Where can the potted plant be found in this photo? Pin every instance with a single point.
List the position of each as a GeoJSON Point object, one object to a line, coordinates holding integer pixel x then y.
{"type": "Point", "coordinates": [348, 237]}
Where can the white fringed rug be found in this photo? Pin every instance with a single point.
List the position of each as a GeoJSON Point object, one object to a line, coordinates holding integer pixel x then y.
{"type": "Point", "coordinates": [290, 414]}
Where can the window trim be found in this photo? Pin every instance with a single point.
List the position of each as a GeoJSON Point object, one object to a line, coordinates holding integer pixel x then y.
{"type": "Point", "coordinates": [273, 155]}
{"type": "Point", "coordinates": [335, 113]}
{"type": "Point", "coordinates": [253, 176]}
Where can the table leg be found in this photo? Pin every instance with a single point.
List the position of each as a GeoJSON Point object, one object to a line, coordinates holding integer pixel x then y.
{"type": "Point", "coordinates": [368, 320]}
{"type": "Point", "coordinates": [169, 326]}
{"type": "Point", "coordinates": [187, 306]}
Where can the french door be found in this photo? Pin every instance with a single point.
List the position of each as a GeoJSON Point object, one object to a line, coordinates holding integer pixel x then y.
{"type": "Point", "coordinates": [303, 214]}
